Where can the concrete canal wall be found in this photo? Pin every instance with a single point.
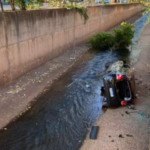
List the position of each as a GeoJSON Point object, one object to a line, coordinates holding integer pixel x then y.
{"type": "Point", "coordinates": [29, 39]}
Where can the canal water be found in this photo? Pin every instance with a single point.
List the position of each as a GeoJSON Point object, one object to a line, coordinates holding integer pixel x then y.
{"type": "Point", "coordinates": [60, 118]}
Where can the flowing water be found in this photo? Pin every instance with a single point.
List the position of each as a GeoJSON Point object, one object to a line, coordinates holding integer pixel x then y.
{"type": "Point", "coordinates": [60, 118]}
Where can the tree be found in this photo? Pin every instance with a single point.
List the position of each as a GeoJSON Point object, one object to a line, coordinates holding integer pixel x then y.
{"type": "Point", "coordinates": [22, 4]}
{"type": "Point", "coordinates": [1, 5]}
{"type": "Point", "coordinates": [12, 4]}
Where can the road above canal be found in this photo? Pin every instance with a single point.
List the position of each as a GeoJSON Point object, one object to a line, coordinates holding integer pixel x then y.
{"type": "Point", "coordinates": [62, 115]}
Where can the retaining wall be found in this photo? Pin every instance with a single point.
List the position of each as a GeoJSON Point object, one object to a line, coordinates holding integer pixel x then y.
{"type": "Point", "coordinates": [30, 38]}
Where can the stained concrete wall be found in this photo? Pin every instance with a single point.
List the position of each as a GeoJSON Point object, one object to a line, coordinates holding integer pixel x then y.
{"type": "Point", "coordinates": [30, 38]}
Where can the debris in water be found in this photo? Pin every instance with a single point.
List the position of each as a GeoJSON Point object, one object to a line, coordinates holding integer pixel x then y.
{"type": "Point", "coordinates": [87, 86]}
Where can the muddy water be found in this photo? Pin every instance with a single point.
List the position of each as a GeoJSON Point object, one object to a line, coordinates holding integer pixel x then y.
{"type": "Point", "coordinates": [60, 118]}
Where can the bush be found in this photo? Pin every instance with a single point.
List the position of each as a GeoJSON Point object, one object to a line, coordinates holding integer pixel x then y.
{"type": "Point", "coordinates": [124, 35]}
{"type": "Point", "coordinates": [121, 39]}
{"type": "Point", "coordinates": [102, 41]}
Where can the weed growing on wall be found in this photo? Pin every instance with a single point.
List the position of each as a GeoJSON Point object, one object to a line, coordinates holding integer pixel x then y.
{"type": "Point", "coordinates": [121, 39]}
{"type": "Point", "coordinates": [83, 11]}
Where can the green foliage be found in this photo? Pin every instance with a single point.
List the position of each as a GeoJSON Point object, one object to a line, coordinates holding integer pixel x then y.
{"type": "Point", "coordinates": [83, 11]}
{"type": "Point", "coordinates": [102, 41]}
{"type": "Point", "coordinates": [22, 4]}
{"type": "Point", "coordinates": [121, 39]}
{"type": "Point", "coordinates": [55, 3]}
{"type": "Point", "coordinates": [6, 1]}
{"type": "Point", "coordinates": [146, 3]}
{"type": "Point", "coordinates": [124, 35]}
{"type": "Point", "coordinates": [147, 11]}
{"type": "Point", "coordinates": [35, 4]}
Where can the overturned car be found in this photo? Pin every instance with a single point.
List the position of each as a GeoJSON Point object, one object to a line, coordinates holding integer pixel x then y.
{"type": "Point", "coordinates": [119, 84]}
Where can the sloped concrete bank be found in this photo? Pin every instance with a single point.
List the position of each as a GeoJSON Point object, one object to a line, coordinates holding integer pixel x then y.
{"type": "Point", "coordinates": [31, 38]}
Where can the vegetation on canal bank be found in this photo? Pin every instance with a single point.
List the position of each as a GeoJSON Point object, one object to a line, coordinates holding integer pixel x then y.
{"type": "Point", "coordinates": [120, 39]}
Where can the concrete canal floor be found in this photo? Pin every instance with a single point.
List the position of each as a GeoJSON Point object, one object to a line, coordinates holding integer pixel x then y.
{"type": "Point", "coordinates": [120, 130]}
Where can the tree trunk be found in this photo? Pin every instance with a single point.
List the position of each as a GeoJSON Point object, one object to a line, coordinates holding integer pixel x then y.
{"type": "Point", "coordinates": [1, 5]}
{"type": "Point", "coordinates": [12, 4]}
{"type": "Point", "coordinates": [23, 7]}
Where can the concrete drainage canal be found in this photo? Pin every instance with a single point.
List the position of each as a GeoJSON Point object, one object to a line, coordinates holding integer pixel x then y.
{"type": "Point", "coordinates": [60, 118]}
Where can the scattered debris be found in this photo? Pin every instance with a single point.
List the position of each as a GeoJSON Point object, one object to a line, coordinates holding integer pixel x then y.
{"type": "Point", "coordinates": [15, 91]}
{"type": "Point", "coordinates": [127, 112]}
{"type": "Point", "coordinates": [131, 107]}
{"type": "Point", "coordinates": [112, 141]}
{"type": "Point", "coordinates": [120, 136]}
{"type": "Point", "coordinates": [94, 132]}
{"type": "Point", "coordinates": [139, 112]}
{"type": "Point", "coordinates": [5, 129]}
{"type": "Point", "coordinates": [128, 135]}
{"type": "Point", "coordinates": [137, 95]}
{"type": "Point", "coordinates": [109, 136]}
{"type": "Point", "coordinates": [104, 107]}
{"type": "Point", "coordinates": [143, 114]}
